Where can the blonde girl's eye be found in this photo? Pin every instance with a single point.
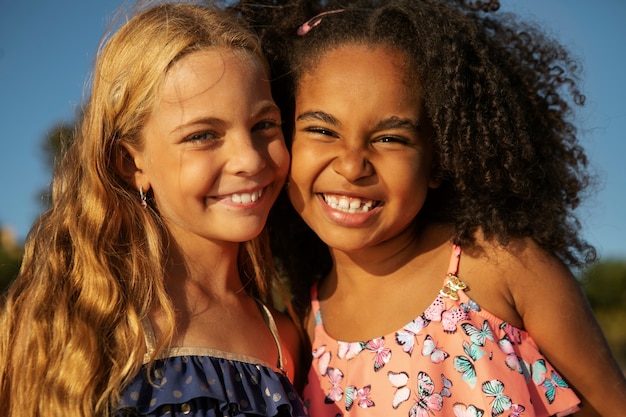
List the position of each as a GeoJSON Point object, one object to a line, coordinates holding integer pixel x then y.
{"type": "Point", "coordinates": [201, 137]}
{"type": "Point", "coordinates": [267, 125]}
{"type": "Point", "coordinates": [267, 129]}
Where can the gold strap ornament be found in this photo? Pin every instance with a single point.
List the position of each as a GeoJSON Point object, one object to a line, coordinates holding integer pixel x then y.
{"type": "Point", "coordinates": [452, 285]}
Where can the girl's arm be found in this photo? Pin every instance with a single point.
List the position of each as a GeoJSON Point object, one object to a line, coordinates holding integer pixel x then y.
{"type": "Point", "coordinates": [557, 315]}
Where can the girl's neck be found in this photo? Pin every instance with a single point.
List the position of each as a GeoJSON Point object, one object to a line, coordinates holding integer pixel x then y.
{"type": "Point", "coordinates": [413, 272]}
{"type": "Point", "coordinates": [388, 259]}
{"type": "Point", "coordinates": [203, 283]}
{"type": "Point", "coordinates": [204, 268]}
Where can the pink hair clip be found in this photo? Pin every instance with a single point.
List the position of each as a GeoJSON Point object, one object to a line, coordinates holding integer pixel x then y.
{"type": "Point", "coordinates": [314, 21]}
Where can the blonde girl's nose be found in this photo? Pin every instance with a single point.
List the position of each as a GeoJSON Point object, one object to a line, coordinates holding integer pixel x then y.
{"type": "Point", "coordinates": [245, 157]}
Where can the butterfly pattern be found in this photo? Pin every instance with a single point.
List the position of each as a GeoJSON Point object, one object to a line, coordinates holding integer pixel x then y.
{"type": "Point", "coordinates": [447, 384]}
{"type": "Point", "coordinates": [454, 359]}
{"type": "Point", "coordinates": [349, 350]}
{"type": "Point", "coordinates": [428, 400]}
{"type": "Point", "coordinates": [552, 384]}
{"type": "Point", "coordinates": [430, 350]}
{"type": "Point", "coordinates": [322, 356]}
{"type": "Point", "coordinates": [400, 381]}
{"type": "Point", "coordinates": [408, 335]}
{"type": "Point", "coordinates": [382, 355]}
{"type": "Point", "coordinates": [462, 410]}
{"type": "Point", "coordinates": [335, 393]}
{"type": "Point", "coordinates": [500, 402]}
{"type": "Point", "coordinates": [359, 397]}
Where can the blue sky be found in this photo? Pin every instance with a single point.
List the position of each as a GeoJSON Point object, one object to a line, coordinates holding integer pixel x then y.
{"type": "Point", "coordinates": [47, 48]}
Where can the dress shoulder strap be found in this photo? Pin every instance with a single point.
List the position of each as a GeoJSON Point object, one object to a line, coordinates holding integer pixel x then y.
{"type": "Point", "coordinates": [455, 259]}
{"type": "Point", "coordinates": [150, 338]}
{"type": "Point", "coordinates": [271, 324]}
{"type": "Point", "coordinates": [452, 284]}
{"type": "Point", "coordinates": [315, 304]}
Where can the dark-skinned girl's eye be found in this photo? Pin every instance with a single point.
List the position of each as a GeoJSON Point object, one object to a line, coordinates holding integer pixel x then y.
{"type": "Point", "coordinates": [320, 131]}
{"type": "Point", "coordinates": [391, 139]}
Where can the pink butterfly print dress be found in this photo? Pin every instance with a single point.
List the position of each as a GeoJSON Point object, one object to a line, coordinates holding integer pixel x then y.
{"type": "Point", "coordinates": [455, 359]}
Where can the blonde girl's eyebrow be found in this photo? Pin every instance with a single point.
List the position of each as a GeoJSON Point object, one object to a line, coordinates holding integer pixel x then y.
{"type": "Point", "coordinates": [200, 121]}
{"type": "Point", "coordinates": [267, 109]}
{"type": "Point", "coordinates": [318, 115]}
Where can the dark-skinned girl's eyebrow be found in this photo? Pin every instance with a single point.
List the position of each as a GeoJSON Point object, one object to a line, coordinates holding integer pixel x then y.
{"type": "Point", "coordinates": [318, 115]}
{"type": "Point", "coordinates": [397, 123]}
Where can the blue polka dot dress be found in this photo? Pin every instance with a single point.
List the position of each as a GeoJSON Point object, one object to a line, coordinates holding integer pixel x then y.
{"type": "Point", "coordinates": [212, 383]}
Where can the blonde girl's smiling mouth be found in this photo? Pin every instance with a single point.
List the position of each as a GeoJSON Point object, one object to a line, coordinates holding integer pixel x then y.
{"type": "Point", "coordinates": [242, 199]}
{"type": "Point", "coordinates": [245, 198]}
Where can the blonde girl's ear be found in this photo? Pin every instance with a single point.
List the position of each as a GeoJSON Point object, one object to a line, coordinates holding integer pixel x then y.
{"type": "Point", "coordinates": [129, 162]}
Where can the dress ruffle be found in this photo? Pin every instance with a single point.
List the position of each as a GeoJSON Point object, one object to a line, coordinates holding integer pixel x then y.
{"type": "Point", "coordinates": [454, 359]}
{"type": "Point", "coordinates": [523, 357]}
{"type": "Point", "coordinates": [210, 386]}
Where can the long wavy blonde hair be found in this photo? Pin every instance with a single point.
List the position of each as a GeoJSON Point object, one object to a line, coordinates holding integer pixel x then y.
{"type": "Point", "coordinates": [71, 335]}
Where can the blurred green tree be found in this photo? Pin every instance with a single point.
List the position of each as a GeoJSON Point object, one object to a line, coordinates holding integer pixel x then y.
{"type": "Point", "coordinates": [59, 137]}
{"type": "Point", "coordinates": [605, 286]}
{"type": "Point", "coordinates": [10, 258]}
{"type": "Point", "coordinates": [55, 142]}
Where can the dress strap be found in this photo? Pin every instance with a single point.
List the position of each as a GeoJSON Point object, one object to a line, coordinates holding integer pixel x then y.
{"type": "Point", "coordinates": [148, 334]}
{"type": "Point", "coordinates": [453, 268]}
{"type": "Point", "coordinates": [452, 284]}
{"type": "Point", "coordinates": [269, 320]}
{"type": "Point", "coordinates": [315, 304]}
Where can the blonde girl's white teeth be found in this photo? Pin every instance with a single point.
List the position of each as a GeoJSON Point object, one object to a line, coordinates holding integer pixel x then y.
{"type": "Point", "coordinates": [245, 198]}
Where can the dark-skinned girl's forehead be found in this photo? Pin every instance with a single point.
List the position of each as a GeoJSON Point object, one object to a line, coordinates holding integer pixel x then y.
{"type": "Point", "coordinates": [308, 63]}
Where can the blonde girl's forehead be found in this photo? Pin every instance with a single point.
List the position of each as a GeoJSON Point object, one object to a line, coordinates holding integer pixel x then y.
{"type": "Point", "coordinates": [246, 55]}
{"type": "Point", "coordinates": [216, 58]}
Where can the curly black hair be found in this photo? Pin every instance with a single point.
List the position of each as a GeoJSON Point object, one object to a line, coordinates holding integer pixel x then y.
{"type": "Point", "coordinates": [499, 94]}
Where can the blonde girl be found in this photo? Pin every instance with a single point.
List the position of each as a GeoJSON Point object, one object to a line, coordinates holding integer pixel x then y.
{"type": "Point", "coordinates": [146, 288]}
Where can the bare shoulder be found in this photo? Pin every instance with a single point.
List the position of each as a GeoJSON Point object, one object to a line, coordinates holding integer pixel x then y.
{"type": "Point", "coordinates": [507, 280]}
{"type": "Point", "coordinates": [534, 275]}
